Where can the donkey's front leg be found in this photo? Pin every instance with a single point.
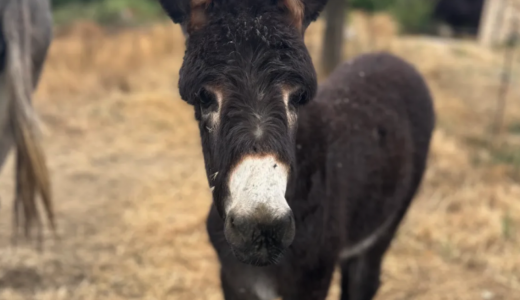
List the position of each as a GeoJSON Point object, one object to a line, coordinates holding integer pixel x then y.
{"type": "Point", "coordinates": [307, 282]}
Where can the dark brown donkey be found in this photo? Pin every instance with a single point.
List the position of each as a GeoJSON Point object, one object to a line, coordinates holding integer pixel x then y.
{"type": "Point", "coordinates": [298, 185]}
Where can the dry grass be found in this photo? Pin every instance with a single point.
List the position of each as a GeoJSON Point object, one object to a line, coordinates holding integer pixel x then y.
{"type": "Point", "coordinates": [132, 196]}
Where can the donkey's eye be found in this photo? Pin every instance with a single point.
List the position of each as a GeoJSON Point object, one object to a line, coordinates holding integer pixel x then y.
{"type": "Point", "coordinates": [206, 98]}
{"type": "Point", "coordinates": [299, 97]}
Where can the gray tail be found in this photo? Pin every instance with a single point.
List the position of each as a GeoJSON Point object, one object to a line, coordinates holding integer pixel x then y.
{"type": "Point", "coordinates": [32, 175]}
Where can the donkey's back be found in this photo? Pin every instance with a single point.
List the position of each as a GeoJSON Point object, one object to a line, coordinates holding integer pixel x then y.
{"type": "Point", "coordinates": [381, 98]}
{"type": "Point", "coordinates": [25, 36]}
{"type": "Point", "coordinates": [381, 120]}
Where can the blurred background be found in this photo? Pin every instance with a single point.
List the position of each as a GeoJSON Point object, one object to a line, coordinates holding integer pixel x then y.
{"type": "Point", "coordinates": [128, 175]}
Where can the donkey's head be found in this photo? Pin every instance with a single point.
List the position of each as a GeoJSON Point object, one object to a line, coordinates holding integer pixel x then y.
{"type": "Point", "coordinates": [246, 71]}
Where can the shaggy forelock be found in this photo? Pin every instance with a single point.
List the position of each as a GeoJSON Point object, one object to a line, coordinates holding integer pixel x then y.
{"type": "Point", "coordinates": [244, 45]}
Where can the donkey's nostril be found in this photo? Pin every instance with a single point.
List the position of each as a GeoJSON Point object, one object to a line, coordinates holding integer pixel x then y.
{"type": "Point", "coordinates": [287, 230]}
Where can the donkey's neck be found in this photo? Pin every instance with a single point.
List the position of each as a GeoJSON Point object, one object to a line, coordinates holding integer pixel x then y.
{"type": "Point", "coordinates": [311, 151]}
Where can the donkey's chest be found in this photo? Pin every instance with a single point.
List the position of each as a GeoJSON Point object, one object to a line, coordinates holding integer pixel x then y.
{"type": "Point", "coordinates": [264, 287]}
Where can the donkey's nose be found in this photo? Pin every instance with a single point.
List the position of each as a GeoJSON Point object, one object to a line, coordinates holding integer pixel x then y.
{"type": "Point", "coordinates": [260, 235]}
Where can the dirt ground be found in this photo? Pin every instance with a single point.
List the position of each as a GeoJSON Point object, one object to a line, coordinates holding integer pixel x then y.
{"type": "Point", "coordinates": [131, 195]}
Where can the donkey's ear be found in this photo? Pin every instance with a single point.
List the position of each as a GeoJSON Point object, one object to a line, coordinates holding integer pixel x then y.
{"type": "Point", "coordinates": [190, 14]}
{"type": "Point", "coordinates": [302, 12]}
{"type": "Point", "coordinates": [313, 8]}
{"type": "Point", "coordinates": [295, 11]}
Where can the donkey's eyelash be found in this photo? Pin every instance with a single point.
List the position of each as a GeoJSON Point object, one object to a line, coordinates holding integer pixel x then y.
{"type": "Point", "coordinates": [206, 97]}
{"type": "Point", "coordinates": [298, 96]}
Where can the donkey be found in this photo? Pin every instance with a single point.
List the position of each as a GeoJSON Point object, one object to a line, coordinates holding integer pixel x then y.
{"type": "Point", "coordinates": [25, 36]}
{"type": "Point", "coordinates": [298, 185]}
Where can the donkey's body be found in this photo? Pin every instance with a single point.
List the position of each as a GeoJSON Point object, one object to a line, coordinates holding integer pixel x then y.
{"type": "Point", "coordinates": [25, 36]}
{"type": "Point", "coordinates": [298, 184]}
{"type": "Point", "coordinates": [361, 153]}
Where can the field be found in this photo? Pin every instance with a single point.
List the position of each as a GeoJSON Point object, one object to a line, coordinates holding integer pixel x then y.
{"type": "Point", "coordinates": [131, 194]}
